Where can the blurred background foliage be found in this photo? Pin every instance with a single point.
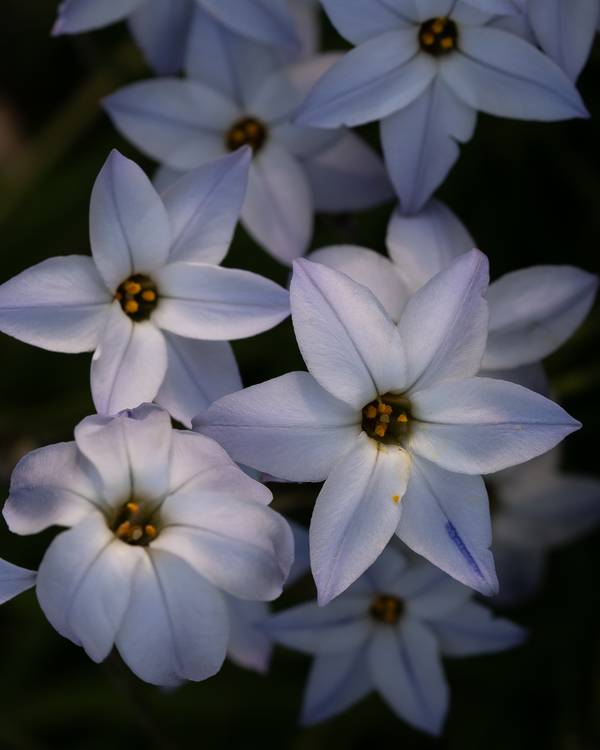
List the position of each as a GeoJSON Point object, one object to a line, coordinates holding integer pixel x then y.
{"type": "Point", "coordinates": [529, 193]}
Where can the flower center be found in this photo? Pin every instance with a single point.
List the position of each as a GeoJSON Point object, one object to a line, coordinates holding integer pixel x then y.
{"type": "Point", "coordinates": [138, 297]}
{"type": "Point", "coordinates": [438, 36]}
{"type": "Point", "coordinates": [386, 609]}
{"type": "Point", "coordinates": [246, 132]}
{"type": "Point", "coordinates": [387, 419]}
{"type": "Point", "coordinates": [133, 525]}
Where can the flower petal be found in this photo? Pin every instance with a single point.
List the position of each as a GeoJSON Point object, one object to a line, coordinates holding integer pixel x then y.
{"type": "Point", "coordinates": [444, 325]}
{"type": "Point", "coordinates": [266, 21]}
{"type": "Point", "coordinates": [356, 514]}
{"type": "Point", "coordinates": [473, 629]}
{"type": "Point", "coordinates": [50, 486]}
{"type": "Point", "coordinates": [129, 364]}
{"type": "Point", "coordinates": [429, 593]}
{"type": "Point", "coordinates": [446, 518]}
{"type": "Point", "coordinates": [59, 304]}
{"type": "Point", "coordinates": [204, 207]}
{"type": "Point", "coordinates": [240, 546]}
{"type": "Point", "coordinates": [129, 227]}
{"type": "Point", "coordinates": [358, 21]}
{"type": "Point", "coordinates": [480, 425]}
{"type": "Point", "coordinates": [75, 16]}
{"type": "Point", "coordinates": [249, 647]}
{"type": "Point", "coordinates": [217, 304]}
{"type": "Point", "coordinates": [130, 452]}
{"type": "Point", "coordinates": [269, 425]}
{"type": "Point", "coordinates": [420, 142]}
{"type": "Point", "coordinates": [14, 580]}
{"type": "Point", "coordinates": [499, 73]}
{"type": "Point", "coordinates": [534, 311]}
{"type": "Point", "coordinates": [426, 243]}
{"type": "Point", "coordinates": [278, 210]}
{"type": "Point", "coordinates": [161, 28]}
{"type": "Point", "coordinates": [179, 122]}
{"type": "Point", "coordinates": [198, 373]}
{"type": "Point", "coordinates": [347, 340]}
{"type": "Point", "coordinates": [370, 269]}
{"type": "Point", "coordinates": [406, 669]}
{"type": "Point", "coordinates": [347, 176]}
{"type": "Point", "coordinates": [379, 77]}
{"type": "Point", "coordinates": [176, 627]}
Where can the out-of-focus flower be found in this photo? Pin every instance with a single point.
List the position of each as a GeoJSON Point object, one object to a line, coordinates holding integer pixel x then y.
{"type": "Point", "coordinates": [388, 633]}
{"type": "Point", "coordinates": [536, 508]}
{"type": "Point", "coordinates": [394, 421]}
{"type": "Point", "coordinates": [241, 96]}
{"type": "Point", "coordinates": [533, 311]}
{"type": "Point", "coordinates": [14, 580]}
{"type": "Point", "coordinates": [424, 70]}
{"type": "Point", "coordinates": [161, 27]}
{"type": "Point", "coordinates": [152, 302]}
{"type": "Point", "coordinates": [161, 522]}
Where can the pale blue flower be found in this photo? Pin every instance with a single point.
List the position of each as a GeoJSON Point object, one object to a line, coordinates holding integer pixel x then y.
{"type": "Point", "coordinates": [393, 419]}
{"type": "Point", "coordinates": [242, 95]}
{"type": "Point", "coordinates": [537, 508]}
{"type": "Point", "coordinates": [162, 27]}
{"type": "Point", "coordinates": [160, 524]}
{"type": "Point", "coordinates": [388, 633]}
{"type": "Point", "coordinates": [152, 302]}
{"type": "Point", "coordinates": [424, 69]}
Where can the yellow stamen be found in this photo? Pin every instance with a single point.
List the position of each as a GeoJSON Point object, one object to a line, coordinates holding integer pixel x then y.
{"type": "Point", "coordinates": [132, 507]}
{"type": "Point", "coordinates": [438, 26]}
{"type": "Point", "coordinates": [151, 531]}
{"type": "Point", "coordinates": [148, 295]}
{"type": "Point", "coordinates": [385, 409]}
{"type": "Point", "coordinates": [371, 412]}
{"type": "Point", "coordinates": [380, 430]}
{"type": "Point", "coordinates": [385, 418]}
{"type": "Point", "coordinates": [131, 306]}
{"type": "Point", "coordinates": [396, 498]}
{"type": "Point", "coordinates": [132, 287]}
{"type": "Point", "coordinates": [402, 418]}
{"type": "Point", "coordinates": [427, 39]}
{"type": "Point", "coordinates": [447, 43]}
{"type": "Point", "coordinates": [123, 529]}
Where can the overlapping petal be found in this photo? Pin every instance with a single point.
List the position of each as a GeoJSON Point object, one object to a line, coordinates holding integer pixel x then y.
{"type": "Point", "coordinates": [75, 16]}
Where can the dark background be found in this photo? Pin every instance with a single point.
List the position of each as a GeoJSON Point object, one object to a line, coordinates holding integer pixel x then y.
{"type": "Point", "coordinates": [529, 193]}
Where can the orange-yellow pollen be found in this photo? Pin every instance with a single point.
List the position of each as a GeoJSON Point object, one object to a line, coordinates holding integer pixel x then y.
{"type": "Point", "coordinates": [132, 507]}
{"type": "Point", "coordinates": [149, 295]}
{"type": "Point", "coordinates": [150, 531]}
{"type": "Point", "coordinates": [438, 36]}
{"type": "Point", "coordinates": [380, 430]}
{"type": "Point", "coordinates": [132, 287]}
{"type": "Point", "coordinates": [371, 412]}
{"type": "Point", "coordinates": [402, 418]}
{"type": "Point", "coordinates": [131, 306]}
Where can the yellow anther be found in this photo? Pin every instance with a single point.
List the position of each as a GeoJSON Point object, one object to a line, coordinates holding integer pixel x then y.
{"type": "Point", "coordinates": [438, 26]}
{"type": "Point", "coordinates": [123, 529]}
{"type": "Point", "coordinates": [396, 498]}
{"type": "Point", "coordinates": [132, 507]}
{"type": "Point", "coordinates": [371, 412]}
{"type": "Point", "coordinates": [380, 430]}
{"type": "Point", "coordinates": [385, 418]}
{"type": "Point", "coordinates": [132, 287]}
{"type": "Point", "coordinates": [384, 408]}
{"type": "Point", "coordinates": [427, 39]}
{"type": "Point", "coordinates": [137, 533]}
{"type": "Point", "coordinates": [447, 42]}
{"type": "Point", "coordinates": [148, 295]}
{"type": "Point", "coordinates": [131, 306]}
{"type": "Point", "coordinates": [150, 531]}
{"type": "Point", "coordinates": [402, 418]}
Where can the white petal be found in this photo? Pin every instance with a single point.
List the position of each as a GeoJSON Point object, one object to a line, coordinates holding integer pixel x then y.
{"type": "Point", "coordinates": [406, 669]}
{"type": "Point", "coordinates": [129, 228]}
{"type": "Point", "coordinates": [565, 37]}
{"type": "Point", "coordinates": [334, 684]}
{"type": "Point", "coordinates": [343, 625]}
{"type": "Point", "coordinates": [129, 451]}
{"type": "Point", "coordinates": [176, 627]}
{"type": "Point", "coordinates": [240, 546]}
{"type": "Point", "coordinates": [358, 21]}
{"type": "Point", "coordinates": [59, 304]}
{"type": "Point", "coordinates": [249, 646]}
{"type": "Point", "coordinates": [198, 373]}
{"type": "Point", "coordinates": [208, 302]}
{"type": "Point", "coordinates": [499, 73]}
{"type": "Point", "coordinates": [446, 518]}
{"type": "Point", "coordinates": [356, 514]}
{"type": "Point", "coordinates": [480, 425]}
{"type": "Point", "coordinates": [420, 142]}
{"type": "Point", "coordinates": [426, 243]}
{"type": "Point", "coordinates": [444, 325]}
{"type": "Point", "coordinates": [269, 425]}
{"type": "Point", "coordinates": [266, 21]}
{"type": "Point", "coordinates": [75, 16]}
{"type": "Point", "coordinates": [51, 486]}
{"type": "Point", "coordinates": [347, 340]}
{"type": "Point", "coordinates": [379, 77]}
{"type": "Point", "coordinates": [534, 311]}
{"type": "Point", "coordinates": [278, 211]}
{"type": "Point", "coordinates": [161, 29]}
{"type": "Point", "coordinates": [14, 580]}
{"type": "Point", "coordinates": [129, 364]}
{"type": "Point", "coordinates": [473, 629]}
{"type": "Point", "coordinates": [347, 176]}
{"type": "Point", "coordinates": [430, 594]}
{"type": "Point", "coordinates": [370, 269]}
{"type": "Point", "coordinates": [181, 123]}
{"type": "Point", "coordinates": [386, 572]}
{"type": "Point", "coordinates": [204, 207]}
